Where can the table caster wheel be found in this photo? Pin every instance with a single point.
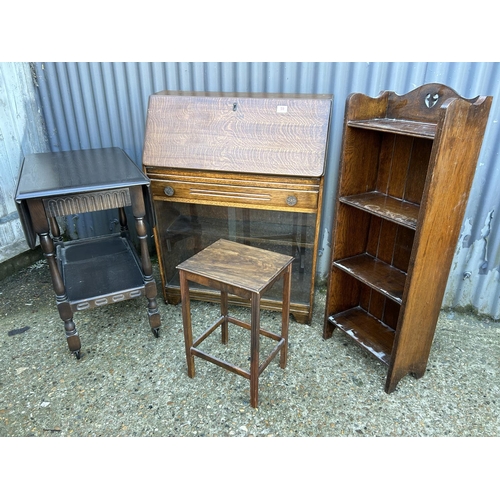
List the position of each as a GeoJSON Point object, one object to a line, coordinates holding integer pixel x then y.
{"type": "Point", "coordinates": [77, 354]}
{"type": "Point", "coordinates": [156, 332]}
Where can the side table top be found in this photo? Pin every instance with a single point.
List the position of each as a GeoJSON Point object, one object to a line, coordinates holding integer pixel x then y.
{"type": "Point", "coordinates": [69, 172]}
{"type": "Point", "coordinates": [236, 264]}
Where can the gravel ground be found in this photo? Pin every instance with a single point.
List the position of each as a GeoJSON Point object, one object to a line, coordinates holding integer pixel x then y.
{"type": "Point", "coordinates": [129, 383]}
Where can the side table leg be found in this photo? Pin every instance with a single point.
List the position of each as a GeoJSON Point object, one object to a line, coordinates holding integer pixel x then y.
{"type": "Point", "coordinates": [254, 350]}
{"type": "Point", "coordinates": [123, 219]}
{"type": "Point", "coordinates": [224, 314]}
{"type": "Point", "coordinates": [153, 312]}
{"type": "Point", "coordinates": [285, 315]}
{"type": "Point", "coordinates": [186, 322]}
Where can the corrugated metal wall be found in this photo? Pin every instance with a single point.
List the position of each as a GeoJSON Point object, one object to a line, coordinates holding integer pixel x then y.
{"type": "Point", "coordinates": [89, 105]}
{"type": "Point", "coordinates": [21, 132]}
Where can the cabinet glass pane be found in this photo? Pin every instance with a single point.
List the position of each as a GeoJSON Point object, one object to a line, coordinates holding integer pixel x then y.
{"type": "Point", "coordinates": [184, 229]}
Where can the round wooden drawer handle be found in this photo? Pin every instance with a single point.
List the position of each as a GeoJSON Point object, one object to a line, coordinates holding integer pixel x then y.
{"type": "Point", "coordinates": [169, 191]}
{"type": "Point", "coordinates": [291, 200]}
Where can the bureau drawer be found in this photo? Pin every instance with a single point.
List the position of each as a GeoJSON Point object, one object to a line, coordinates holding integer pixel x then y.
{"type": "Point", "coordinates": [265, 192]}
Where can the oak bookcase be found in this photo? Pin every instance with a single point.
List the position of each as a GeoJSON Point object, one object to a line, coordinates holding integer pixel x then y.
{"type": "Point", "coordinates": [406, 169]}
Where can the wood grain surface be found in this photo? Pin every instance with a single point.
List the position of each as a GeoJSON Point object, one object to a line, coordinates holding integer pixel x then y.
{"type": "Point", "coordinates": [237, 265]}
{"type": "Point", "coordinates": [263, 133]}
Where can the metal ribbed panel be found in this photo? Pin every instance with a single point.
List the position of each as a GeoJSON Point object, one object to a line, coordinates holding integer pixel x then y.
{"type": "Point", "coordinates": [89, 105]}
{"type": "Point", "coordinates": [21, 133]}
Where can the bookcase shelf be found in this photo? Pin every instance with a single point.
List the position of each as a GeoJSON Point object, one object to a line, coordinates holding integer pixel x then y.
{"type": "Point", "coordinates": [388, 280]}
{"type": "Point", "coordinates": [367, 331]}
{"type": "Point", "coordinates": [405, 127]}
{"type": "Point", "coordinates": [387, 207]}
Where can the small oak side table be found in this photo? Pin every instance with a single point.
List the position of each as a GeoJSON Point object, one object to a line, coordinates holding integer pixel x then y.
{"type": "Point", "coordinates": [247, 272]}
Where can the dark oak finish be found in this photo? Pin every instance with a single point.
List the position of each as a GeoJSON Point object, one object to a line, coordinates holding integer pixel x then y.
{"type": "Point", "coordinates": [387, 279]}
{"type": "Point", "coordinates": [233, 268]}
{"type": "Point", "coordinates": [94, 271]}
{"type": "Point", "coordinates": [406, 170]}
{"type": "Point", "coordinates": [238, 166]}
{"type": "Point", "coordinates": [390, 208]}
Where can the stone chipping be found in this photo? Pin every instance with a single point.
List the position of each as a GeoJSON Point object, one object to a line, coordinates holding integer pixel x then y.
{"type": "Point", "coordinates": [129, 383]}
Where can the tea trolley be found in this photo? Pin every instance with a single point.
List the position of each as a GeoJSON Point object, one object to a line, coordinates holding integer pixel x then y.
{"type": "Point", "coordinates": [98, 270]}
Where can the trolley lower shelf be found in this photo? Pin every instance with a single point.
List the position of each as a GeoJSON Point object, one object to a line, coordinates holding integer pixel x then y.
{"type": "Point", "coordinates": [99, 271]}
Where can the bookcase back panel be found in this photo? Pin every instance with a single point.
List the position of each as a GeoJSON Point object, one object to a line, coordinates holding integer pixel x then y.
{"type": "Point", "coordinates": [351, 231]}
{"type": "Point", "coordinates": [417, 170]}
{"type": "Point", "coordinates": [390, 243]}
{"type": "Point", "coordinates": [392, 164]}
{"type": "Point", "coordinates": [395, 155]}
{"type": "Point", "coordinates": [351, 291]}
{"type": "Point", "coordinates": [402, 248]}
{"type": "Point", "coordinates": [379, 306]}
{"type": "Point", "coordinates": [356, 294]}
{"type": "Point", "coordinates": [402, 167]}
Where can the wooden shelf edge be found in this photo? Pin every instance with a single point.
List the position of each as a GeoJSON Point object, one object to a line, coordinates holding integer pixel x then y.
{"type": "Point", "coordinates": [404, 127]}
{"type": "Point", "coordinates": [387, 207]}
{"type": "Point", "coordinates": [367, 331]}
{"type": "Point", "coordinates": [385, 279]}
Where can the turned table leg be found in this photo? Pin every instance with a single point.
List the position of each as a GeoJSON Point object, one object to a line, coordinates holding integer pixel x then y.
{"type": "Point", "coordinates": [63, 306]}
{"type": "Point", "coordinates": [139, 211]}
{"type": "Point", "coordinates": [41, 227]}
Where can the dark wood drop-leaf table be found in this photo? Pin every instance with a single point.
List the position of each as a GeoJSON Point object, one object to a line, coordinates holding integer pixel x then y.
{"type": "Point", "coordinates": [97, 270]}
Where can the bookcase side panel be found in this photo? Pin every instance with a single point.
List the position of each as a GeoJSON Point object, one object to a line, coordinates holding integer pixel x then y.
{"type": "Point", "coordinates": [359, 163]}
{"type": "Point", "coordinates": [452, 164]}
